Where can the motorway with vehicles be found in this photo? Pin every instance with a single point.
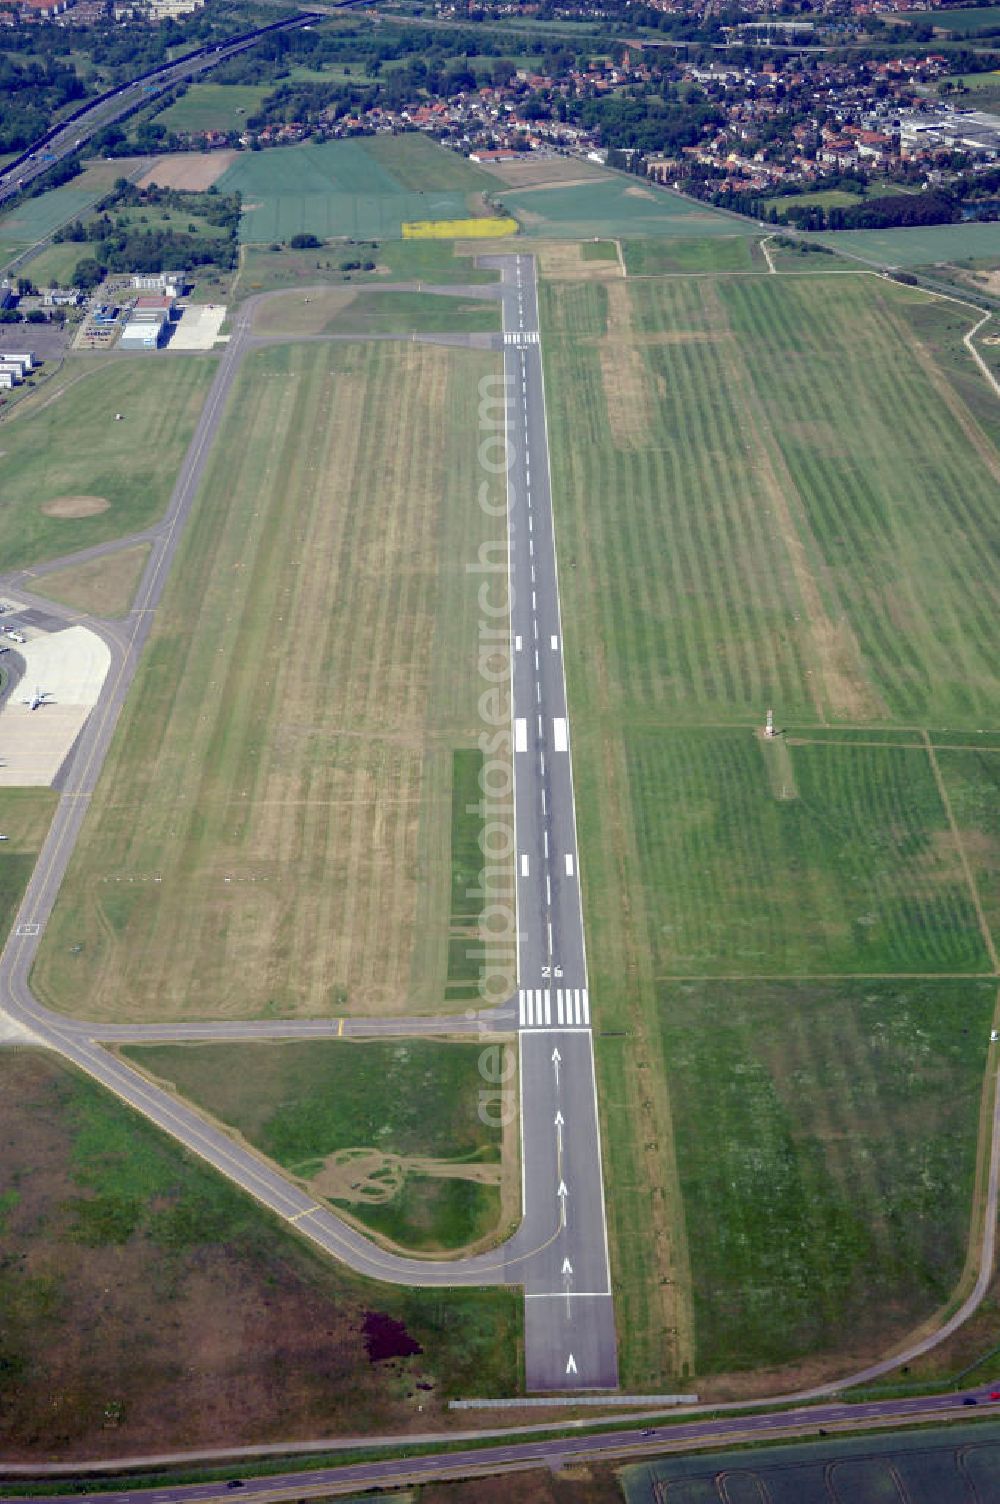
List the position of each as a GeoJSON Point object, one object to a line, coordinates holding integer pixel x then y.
{"type": "Point", "coordinates": [107, 108]}
{"type": "Point", "coordinates": [642, 1438]}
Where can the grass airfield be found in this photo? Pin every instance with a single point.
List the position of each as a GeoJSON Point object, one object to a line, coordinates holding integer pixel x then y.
{"type": "Point", "coordinates": [289, 738]}
{"type": "Point", "coordinates": [779, 492]}
{"type": "Point", "coordinates": [769, 491]}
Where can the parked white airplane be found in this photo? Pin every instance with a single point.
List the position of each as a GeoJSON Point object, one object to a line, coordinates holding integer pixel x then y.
{"type": "Point", "coordinates": [40, 697]}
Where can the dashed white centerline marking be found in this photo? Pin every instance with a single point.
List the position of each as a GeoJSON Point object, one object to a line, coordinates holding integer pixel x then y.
{"type": "Point", "coordinates": [545, 838]}
{"type": "Point", "coordinates": [548, 890]}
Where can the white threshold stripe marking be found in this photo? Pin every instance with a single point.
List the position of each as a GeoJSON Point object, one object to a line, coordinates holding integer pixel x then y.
{"type": "Point", "coordinates": [567, 1294]}
{"type": "Point", "coordinates": [555, 644]}
{"type": "Point", "coordinates": [569, 864]}
{"type": "Point", "coordinates": [559, 738]}
{"type": "Point", "coordinates": [517, 644]}
{"type": "Point", "coordinates": [520, 734]}
{"type": "Point", "coordinates": [524, 865]}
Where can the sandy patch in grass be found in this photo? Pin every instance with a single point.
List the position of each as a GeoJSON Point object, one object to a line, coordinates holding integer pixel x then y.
{"type": "Point", "coordinates": [75, 506]}
{"type": "Point", "coordinates": [562, 261]}
{"type": "Point", "coordinates": [194, 171]}
{"type": "Point", "coordinates": [368, 1176]}
{"type": "Point", "coordinates": [539, 172]}
{"type": "Point", "coordinates": [638, 193]}
{"type": "Point", "coordinates": [628, 390]}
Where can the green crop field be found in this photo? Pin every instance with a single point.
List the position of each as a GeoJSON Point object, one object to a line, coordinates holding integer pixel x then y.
{"type": "Point", "coordinates": [217, 1325]}
{"type": "Point", "coordinates": [214, 107]}
{"type": "Point", "coordinates": [72, 447]}
{"type": "Point", "coordinates": [615, 206]}
{"type": "Point", "coordinates": [289, 736]}
{"type": "Point", "coordinates": [35, 218]}
{"type": "Point", "coordinates": [918, 247]}
{"type": "Point", "coordinates": [940, 1465]}
{"type": "Point", "coordinates": [360, 190]}
{"type": "Point", "coordinates": [778, 492]}
{"type": "Point", "coordinates": [964, 23]}
{"type": "Point", "coordinates": [389, 1131]}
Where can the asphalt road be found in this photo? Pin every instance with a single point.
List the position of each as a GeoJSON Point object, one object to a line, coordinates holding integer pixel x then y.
{"type": "Point", "coordinates": [637, 1441]}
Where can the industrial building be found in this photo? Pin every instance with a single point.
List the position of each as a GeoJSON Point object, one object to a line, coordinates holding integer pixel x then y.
{"type": "Point", "coordinates": [22, 358]}
{"type": "Point", "coordinates": [171, 283]}
{"type": "Point", "coordinates": [143, 334]}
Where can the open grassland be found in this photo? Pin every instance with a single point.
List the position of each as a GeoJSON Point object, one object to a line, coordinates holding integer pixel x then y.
{"type": "Point", "coordinates": [949, 1465]}
{"type": "Point", "coordinates": [827, 1194]}
{"type": "Point", "coordinates": [658, 257]}
{"type": "Point", "coordinates": [387, 1131]}
{"type": "Point", "coordinates": [350, 311]}
{"type": "Point", "coordinates": [963, 22]}
{"type": "Point", "coordinates": [150, 1306]}
{"type": "Point", "coordinates": [917, 247]}
{"type": "Point", "coordinates": [213, 107]}
{"type": "Point", "coordinates": [64, 441]}
{"type": "Point", "coordinates": [361, 189]}
{"type": "Point", "coordinates": [24, 821]}
{"type": "Point", "coordinates": [802, 857]}
{"type": "Point", "coordinates": [773, 491]}
{"type": "Point", "coordinates": [614, 206]}
{"type": "Point", "coordinates": [104, 586]}
{"type": "Point", "coordinates": [288, 740]}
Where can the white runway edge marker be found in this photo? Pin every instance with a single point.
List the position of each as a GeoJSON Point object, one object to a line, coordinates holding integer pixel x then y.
{"type": "Point", "coordinates": [520, 734]}
{"type": "Point", "coordinates": [559, 738]}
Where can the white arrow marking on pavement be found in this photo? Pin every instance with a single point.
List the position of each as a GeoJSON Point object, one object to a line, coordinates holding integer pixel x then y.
{"type": "Point", "coordinates": [571, 1364]}
{"type": "Point", "coordinates": [556, 1057]}
{"type": "Point", "coordinates": [559, 1121]}
{"type": "Point", "coordinates": [567, 1267]}
{"type": "Point", "coordinates": [562, 1193]}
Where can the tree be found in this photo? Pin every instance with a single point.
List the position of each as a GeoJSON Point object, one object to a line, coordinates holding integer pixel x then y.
{"type": "Point", "coordinates": [88, 273]}
{"type": "Point", "coordinates": [304, 242]}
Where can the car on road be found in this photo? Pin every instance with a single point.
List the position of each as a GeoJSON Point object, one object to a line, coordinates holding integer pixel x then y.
{"type": "Point", "coordinates": [969, 1399]}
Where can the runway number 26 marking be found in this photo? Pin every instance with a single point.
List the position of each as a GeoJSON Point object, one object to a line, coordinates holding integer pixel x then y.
{"type": "Point", "coordinates": [551, 971]}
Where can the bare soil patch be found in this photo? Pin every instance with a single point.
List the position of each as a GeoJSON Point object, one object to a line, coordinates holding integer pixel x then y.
{"type": "Point", "coordinates": [638, 193]}
{"type": "Point", "coordinates": [75, 506]}
{"type": "Point", "coordinates": [562, 261]}
{"type": "Point", "coordinates": [370, 1176]}
{"type": "Point", "coordinates": [538, 172]}
{"type": "Point", "coordinates": [194, 171]}
{"type": "Point", "coordinates": [628, 388]}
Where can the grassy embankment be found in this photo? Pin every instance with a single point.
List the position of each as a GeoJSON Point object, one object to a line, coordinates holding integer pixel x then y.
{"type": "Point", "coordinates": [769, 493]}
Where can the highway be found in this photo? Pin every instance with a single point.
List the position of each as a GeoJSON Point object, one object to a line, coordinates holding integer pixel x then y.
{"type": "Point", "coordinates": [639, 1440]}
{"type": "Point", "coordinates": [112, 105]}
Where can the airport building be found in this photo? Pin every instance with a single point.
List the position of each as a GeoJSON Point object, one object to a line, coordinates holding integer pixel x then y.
{"type": "Point", "coordinates": [143, 334]}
